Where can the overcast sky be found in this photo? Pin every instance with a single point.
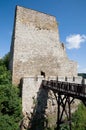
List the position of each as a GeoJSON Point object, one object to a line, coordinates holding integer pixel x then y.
{"type": "Point", "coordinates": [70, 15]}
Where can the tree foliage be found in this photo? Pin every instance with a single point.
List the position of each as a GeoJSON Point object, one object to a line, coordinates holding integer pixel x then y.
{"type": "Point", "coordinates": [5, 75]}
{"type": "Point", "coordinates": [82, 74]}
{"type": "Point", "coordinates": [79, 118]}
{"type": "Point", "coordinates": [10, 101]}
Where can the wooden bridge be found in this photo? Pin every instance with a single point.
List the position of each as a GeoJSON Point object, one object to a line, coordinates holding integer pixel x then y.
{"type": "Point", "coordinates": [65, 93]}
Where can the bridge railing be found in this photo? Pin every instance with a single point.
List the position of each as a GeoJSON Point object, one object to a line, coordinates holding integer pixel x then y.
{"type": "Point", "coordinates": [66, 87]}
{"type": "Point", "coordinates": [76, 79]}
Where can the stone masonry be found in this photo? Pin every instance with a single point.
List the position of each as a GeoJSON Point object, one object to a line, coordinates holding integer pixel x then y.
{"type": "Point", "coordinates": [36, 54]}
{"type": "Point", "coordinates": [36, 47]}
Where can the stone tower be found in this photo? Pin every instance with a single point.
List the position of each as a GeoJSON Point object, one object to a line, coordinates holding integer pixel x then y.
{"type": "Point", "coordinates": [37, 54]}
{"type": "Point", "coordinates": [36, 48]}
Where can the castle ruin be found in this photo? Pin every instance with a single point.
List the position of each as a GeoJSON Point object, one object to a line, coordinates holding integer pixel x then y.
{"type": "Point", "coordinates": [37, 53]}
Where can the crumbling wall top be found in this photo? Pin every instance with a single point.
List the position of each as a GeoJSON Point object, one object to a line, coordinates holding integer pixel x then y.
{"type": "Point", "coordinates": [37, 19]}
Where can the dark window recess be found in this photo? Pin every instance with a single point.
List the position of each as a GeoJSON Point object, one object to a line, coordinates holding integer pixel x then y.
{"type": "Point", "coordinates": [43, 73]}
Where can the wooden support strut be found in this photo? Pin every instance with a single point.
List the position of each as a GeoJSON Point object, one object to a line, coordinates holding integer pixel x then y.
{"type": "Point", "coordinates": [64, 107]}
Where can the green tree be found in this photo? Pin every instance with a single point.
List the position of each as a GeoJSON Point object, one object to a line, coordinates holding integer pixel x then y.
{"type": "Point", "coordinates": [79, 118]}
{"type": "Point", "coordinates": [5, 74]}
{"type": "Point", "coordinates": [6, 60]}
{"type": "Point", "coordinates": [10, 100]}
{"type": "Point", "coordinates": [10, 107]}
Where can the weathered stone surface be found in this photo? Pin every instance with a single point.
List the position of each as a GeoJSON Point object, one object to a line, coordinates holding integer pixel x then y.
{"type": "Point", "coordinates": [39, 103]}
{"type": "Point", "coordinates": [36, 47]}
{"type": "Point", "coordinates": [35, 50]}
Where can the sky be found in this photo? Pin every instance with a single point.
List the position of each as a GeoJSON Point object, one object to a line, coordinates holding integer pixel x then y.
{"type": "Point", "coordinates": [71, 18]}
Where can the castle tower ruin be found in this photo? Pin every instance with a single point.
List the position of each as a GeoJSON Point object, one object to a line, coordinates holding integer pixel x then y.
{"type": "Point", "coordinates": [36, 47]}
{"type": "Point", "coordinates": [36, 54]}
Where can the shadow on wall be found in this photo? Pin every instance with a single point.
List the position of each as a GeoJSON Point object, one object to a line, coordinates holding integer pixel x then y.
{"type": "Point", "coordinates": [40, 116]}
{"type": "Point", "coordinates": [39, 120]}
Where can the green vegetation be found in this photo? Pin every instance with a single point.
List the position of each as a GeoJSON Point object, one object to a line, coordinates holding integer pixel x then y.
{"type": "Point", "coordinates": [79, 118]}
{"type": "Point", "coordinates": [10, 102]}
{"type": "Point", "coordinates": [82, 74]}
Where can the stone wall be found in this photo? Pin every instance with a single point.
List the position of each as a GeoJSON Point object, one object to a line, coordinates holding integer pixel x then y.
{"type": "Point", "coordinates": [36, 47]}
{"type": "Point", "coordinates": [37, 102]}
{"type": "Point", "coordinates": [39, 106]}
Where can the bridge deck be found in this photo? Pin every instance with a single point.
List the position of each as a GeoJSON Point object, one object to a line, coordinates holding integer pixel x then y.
{"type": "Point", "coordinates": [65, 88]}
